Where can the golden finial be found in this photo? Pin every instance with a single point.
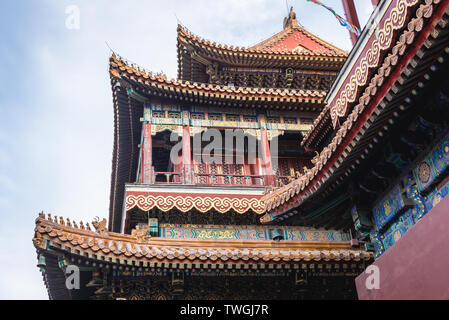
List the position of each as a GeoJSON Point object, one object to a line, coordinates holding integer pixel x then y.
{"type": "Point", "coordinates": [82, 225]}
{"type": "Point", "coordinates": [291, 20]}
{"type": "Point", "coordinates": [61, 221]}
{"type": "Point", "coordinates": [68, 224]}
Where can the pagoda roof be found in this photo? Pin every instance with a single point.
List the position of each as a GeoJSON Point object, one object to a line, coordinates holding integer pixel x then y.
{"type": "Point", "coordinates": [374, 103]}
{"type": "Point", "coordinates": [296, 39]}
{"type": "Point", "coordinates": [139, 250]}
{"type": "Point", "coordinates": [129, 80]}
{"type": "Point", "coordinates": [204, 92]}
{"type": "Point", "coordinates": [293, 47]}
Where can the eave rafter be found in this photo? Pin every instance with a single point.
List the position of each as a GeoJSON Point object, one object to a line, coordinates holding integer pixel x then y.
{"type": "Point", "coordinates": [393, 69]}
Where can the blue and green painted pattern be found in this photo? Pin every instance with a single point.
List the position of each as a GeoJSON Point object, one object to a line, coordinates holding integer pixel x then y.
{"type": "Point", "coordinates": [211, 232]}
{"type": "Point", "coordinates": [419, 186]}
{"type": "Point", "coordinates": [404, 222]}
{"type": "Point", "coordinates": [386, 209]}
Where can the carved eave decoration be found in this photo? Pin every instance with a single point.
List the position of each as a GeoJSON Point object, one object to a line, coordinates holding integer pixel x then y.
{"type": "Point", "coordinates": [412, 38]}
{"type": "Point", "coordinates": [139, 250]}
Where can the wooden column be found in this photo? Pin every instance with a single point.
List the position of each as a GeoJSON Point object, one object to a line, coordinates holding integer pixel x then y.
{"type": "Point", "coordinates": [270, 178]}
{"type": "Point", "coordinates": [351, 16]}
{"type": "Point", "coordinates": [147, 155]}
{"type": "Point", "coordinates": [187, 155]}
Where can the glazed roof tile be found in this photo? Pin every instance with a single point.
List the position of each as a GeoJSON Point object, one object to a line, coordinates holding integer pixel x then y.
{"type": "Point", "coordinates": [285, 42]}
{"type": "Point", "coordinates": [121, 68]}
{"type": "Point", "coordinates": [68, 237]}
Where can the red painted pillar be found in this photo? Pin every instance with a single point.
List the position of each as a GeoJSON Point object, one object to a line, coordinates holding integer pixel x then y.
{"type": "Point", "coordinates": [375, 3]}
{"type": "Point", "coordinates": [270, 178]}
{"type": "Point", "coordinates": [178, 168]}
{"type": "Point", "coordinates": [147, 155]}
{"type": "Point", "coordinates": [351, 16]}
{"type": "Point", "coordinates": [187, 155]}
{"type": "Point", "coordinates": [257, 171]}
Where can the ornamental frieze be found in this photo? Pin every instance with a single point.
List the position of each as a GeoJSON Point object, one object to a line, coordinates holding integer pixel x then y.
{"type": "Point", "coordinates": [201, 202]}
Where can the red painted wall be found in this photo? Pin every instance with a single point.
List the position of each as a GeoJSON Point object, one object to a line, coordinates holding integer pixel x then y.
{"type": "Point", "coordinates": [417, 266]}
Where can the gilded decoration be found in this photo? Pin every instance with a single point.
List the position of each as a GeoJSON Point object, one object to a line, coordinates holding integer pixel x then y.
{"type": "Point", "coordinates": [424, 172]}
{"type": "Point", "coordinates": [100, 226]}
{"type": "Point", "coordinates": [217, 232]}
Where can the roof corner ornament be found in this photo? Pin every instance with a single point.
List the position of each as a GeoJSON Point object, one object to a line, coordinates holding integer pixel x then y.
{"type": "Point", "coordinates": [291, 20]}
{"type": "Point", "coordinates": [100, 226]}
{"type": "Point", "coordinates": [141, 235]}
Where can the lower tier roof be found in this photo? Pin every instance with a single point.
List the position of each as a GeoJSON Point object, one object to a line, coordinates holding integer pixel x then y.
{"type": "Point", "coordinates": [140, 250]}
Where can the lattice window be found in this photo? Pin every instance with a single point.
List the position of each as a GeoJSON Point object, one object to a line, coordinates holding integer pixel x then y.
{"type": "Point", "coordinates": [158, 114]}
{"type": "Point", "coordinates": [306, 121]}
{"type": "Point", "coordinates": [249, 119]}
{"type": "Point", "coordinates": [174, 115]}
{"type": "Point", "coordinates": [232, 117]}
{"type": "Point", "coordinates": [274, 120]}
{"type": "Point", "coordinates": [215, 116]}
{"type": "Point", "coordinates": [290, 120]}
{"type": "Point", "coordinates": [197, 116]}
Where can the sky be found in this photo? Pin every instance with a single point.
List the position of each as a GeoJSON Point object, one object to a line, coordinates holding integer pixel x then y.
{"type": "Point", "coordinates": [56, 112]}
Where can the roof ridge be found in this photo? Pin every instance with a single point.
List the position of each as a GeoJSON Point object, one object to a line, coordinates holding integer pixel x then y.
{"type": "Point", "coordinates": [283, 34]}
{"type": "Point", "coordinates": [335, 51]}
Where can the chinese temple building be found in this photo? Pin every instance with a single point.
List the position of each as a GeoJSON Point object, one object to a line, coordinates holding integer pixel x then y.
{"type": "Point", "coordinates": [338, 161]}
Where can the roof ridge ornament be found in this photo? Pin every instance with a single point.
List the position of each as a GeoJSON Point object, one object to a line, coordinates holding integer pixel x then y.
{"type": "Point", "coordinates": [291, 21]}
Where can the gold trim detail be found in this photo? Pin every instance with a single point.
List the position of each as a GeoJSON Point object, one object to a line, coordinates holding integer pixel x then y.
{"type": "Point", "coordinates": [202, 204]}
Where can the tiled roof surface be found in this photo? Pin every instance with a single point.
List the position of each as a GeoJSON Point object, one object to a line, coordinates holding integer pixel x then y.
{"type": "Point", "coordinates": [285, 42]}
{"type": "Point", "coordinates": [69, 237]}
{"type": "Point", "coordinates": [121, 68]}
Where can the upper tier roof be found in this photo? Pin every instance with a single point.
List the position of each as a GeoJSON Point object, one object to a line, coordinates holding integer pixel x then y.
{"type": "Point", "coordinates": [293, 47]}
{"type": "Point", "coordinates": [180, 90]}
{"type": "Point", "coordinates": [296, 39]}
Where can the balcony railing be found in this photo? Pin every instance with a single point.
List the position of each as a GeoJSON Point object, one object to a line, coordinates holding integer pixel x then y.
{"type": "Point", "coordinates": [168, 178]}
{"type": "Point", "coordinates": [189, 176]}
{"type": "Point", "coordinates": [229, 179]}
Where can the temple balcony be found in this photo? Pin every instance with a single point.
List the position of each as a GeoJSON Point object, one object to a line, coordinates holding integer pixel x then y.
{"type": "Point", "coordinates": [191, 204]}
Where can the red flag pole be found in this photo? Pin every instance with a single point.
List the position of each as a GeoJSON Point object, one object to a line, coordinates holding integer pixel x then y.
{"type": "Point", "coordinates": [351, 16]}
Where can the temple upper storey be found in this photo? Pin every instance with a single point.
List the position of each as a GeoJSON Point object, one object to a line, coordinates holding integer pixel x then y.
{"type": "Point", "coordinates": [293, 58]}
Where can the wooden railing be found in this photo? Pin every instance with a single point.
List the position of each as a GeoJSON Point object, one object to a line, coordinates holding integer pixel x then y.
{"type": "Point", "coordinates": [229, 179]}
{"type": "Point", "coordinates": [180, 177]}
